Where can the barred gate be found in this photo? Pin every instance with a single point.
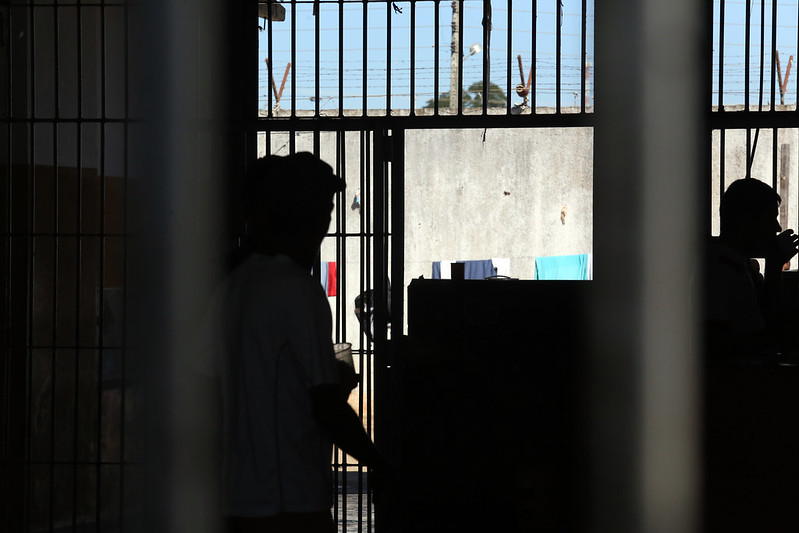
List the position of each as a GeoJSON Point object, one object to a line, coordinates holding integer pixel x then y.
{"type": "Point", "coordinates": [71, 143]}
{"type": "Point", "coordinates": [365, 245]}
{"type": "Point", "coordinates": [82, 172]}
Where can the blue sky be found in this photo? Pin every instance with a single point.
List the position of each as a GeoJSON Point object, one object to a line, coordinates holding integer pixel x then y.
{"type": "Point", "coordinates": [379, 15]}
{"type": "Point", "coordinates": [374, 77]}
{"type": "Point", "coordinates": [760, 17]}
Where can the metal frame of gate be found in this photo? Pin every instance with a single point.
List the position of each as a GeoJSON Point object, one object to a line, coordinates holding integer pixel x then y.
{"type": "Point", "coordinates": [70, 453]}
{"type": "Point", "coordinates": [382, 220]}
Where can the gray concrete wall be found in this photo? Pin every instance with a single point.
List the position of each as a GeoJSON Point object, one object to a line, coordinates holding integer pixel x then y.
{"type": "Point", "coordinates": [478, 194]}
{"type": "Point", "coordinates": [734, 166]}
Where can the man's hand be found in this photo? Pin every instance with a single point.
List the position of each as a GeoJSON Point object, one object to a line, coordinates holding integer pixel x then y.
{"type": "Point", "coordinates": [348, 378]}
{"type": "Point", "coordinates": [785, 246]}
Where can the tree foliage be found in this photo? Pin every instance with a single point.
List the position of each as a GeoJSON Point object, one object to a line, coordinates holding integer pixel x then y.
{"type": "Point", "coordinates": [473, 97]}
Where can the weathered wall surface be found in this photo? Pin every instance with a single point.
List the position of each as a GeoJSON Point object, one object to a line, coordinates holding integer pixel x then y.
{"type": "Point", "coordinates": [480, 194]}
{"type": "Point", "coordinates": [733, 167]}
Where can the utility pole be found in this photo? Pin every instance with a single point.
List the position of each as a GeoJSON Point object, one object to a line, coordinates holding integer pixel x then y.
{"type": "Point", "coordinates": [454, 58]}
{"type": "Point", "coordinates": [785, 168]}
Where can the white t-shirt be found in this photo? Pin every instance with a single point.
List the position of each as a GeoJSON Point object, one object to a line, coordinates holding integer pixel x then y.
{"type": "Point", "coordinates": [268, 339]}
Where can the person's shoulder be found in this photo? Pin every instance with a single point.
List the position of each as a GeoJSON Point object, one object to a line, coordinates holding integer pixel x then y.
{"type": "Point", "coordinates": [721, 254]}
{"type": "Point", "coordinates": [284, 275]}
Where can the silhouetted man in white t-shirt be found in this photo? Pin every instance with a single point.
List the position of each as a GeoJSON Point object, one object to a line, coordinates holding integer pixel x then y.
{"type": "Point", "coordinates": [269, 343]}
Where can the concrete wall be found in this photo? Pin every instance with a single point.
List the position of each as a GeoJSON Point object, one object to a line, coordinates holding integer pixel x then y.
{"type": "Point", "coordinates": [479, 194]}
{"type": "Point", "coordinates": [734, 163]}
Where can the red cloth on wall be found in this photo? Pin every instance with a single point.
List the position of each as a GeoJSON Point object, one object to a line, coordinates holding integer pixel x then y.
{"type": "Point", "coordinates": [331, 278]}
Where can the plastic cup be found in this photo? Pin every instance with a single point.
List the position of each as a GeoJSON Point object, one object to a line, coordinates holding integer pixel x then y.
{"type": "Point", "coordinates": [343, 353]}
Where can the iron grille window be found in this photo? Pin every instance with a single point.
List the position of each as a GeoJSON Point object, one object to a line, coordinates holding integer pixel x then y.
{"type": "Point", "coordinates": [68, 453]}
{"type": "Point", "coordinates": [425, 58]}
{"type": "Point", "coordinates": [754, 88]}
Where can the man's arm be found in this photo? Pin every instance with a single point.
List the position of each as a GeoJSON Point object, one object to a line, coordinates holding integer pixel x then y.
{"type": "Point", "coordinates": [342, 424]}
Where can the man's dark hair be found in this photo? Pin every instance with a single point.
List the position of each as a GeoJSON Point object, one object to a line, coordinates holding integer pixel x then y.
{"type": "Point", "coordinates": [289, 195]}
{"type": "Point", "coordinates": [745, 197]}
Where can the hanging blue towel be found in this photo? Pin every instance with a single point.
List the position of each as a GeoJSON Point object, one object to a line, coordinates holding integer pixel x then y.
{"type": "Point", "coordinates": [471, 269]}
{"type": "Point", "coordinates": [478, 269]}
{"type": "Point", "coordinates": [574, 267]}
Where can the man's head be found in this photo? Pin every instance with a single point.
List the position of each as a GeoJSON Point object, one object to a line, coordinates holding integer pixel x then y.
{"type": "Point", "coordinates": [287, 201]}
{"type": "Point", "coordinates": [748, 216]}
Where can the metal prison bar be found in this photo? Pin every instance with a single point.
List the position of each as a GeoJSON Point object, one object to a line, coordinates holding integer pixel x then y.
{"type": "Point", "coordinates": [65, 396]}
{"type": "Point", "coordinates": [69, 456]}
{"type": "Point", "coordinates": [382, 62]}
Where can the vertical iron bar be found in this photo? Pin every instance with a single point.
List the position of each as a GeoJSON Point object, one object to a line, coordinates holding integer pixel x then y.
{"type": "Point", "coordinates": [7, 455]}
{"type": "Point", "coordinates": [436, 51]}
{"type": "Point", "coordinates": [534, 57]}
{"type": "Point", "coordinates": [388, 58]}
{"type": "Point", "coordinates": [270, 71]}
{"type": "Point", "coordinates": [366, 258]}
{"type": "Point", "coordinates": [340, 333]}
{"type": "Point", "coordinates": [362, 239]}
{"type": "Point", "coordinates": [341, 58]}
{"type": "Point", "coordinates": [293, 61]}
{"type": "Point", "coordinates": [709, 212]}
{"type": "Point", "coordinates": [380, 174]}
{"type": "Point", "coordinates": [365, 59]}
{"type": "Point", "coordinates": [316, 56]}
{"type": "Point", "coordinates": [413, 60]}
{"type": "Point", "coordinates": [101, 319]}
{"type": "Point", "coordinates": [56, 258]}
{"type": "Point", "coordinates": [341, 270]}
{"type": "Point", "coordinates": [31, 260]}
{"type": "Point", "coordinates": [486, 63]}
{"type": "Point", "coordinates": [632, 471]}
{"type": "Point", "coordinates": [583, 56]}
{"type": "Point", "coordinates": [56, 71]}
{"type": "Point", "coordinates": [722, 4]}
{"type": "Point", "coordinates": [460, 57]}
{"type": "Point", "coordinates": [341, 245]}
{"type": "Point", "coordinates": [747, 59]}
{"type": "Point", "coordinates": [397, 206]}
{"type": "Point", "coordinates": [78, 263]}
{"type": "Point", "coordinates": [341, 259]}
{"type": "Point", "coordinates": [762, 53]}
{"type": "Point", "coordinates": [123, 349]}
{"type": "Point", "coordinates": [509, 58]}
{"type": "Point", "coordinates": [380, 231]}
{"type": "Point", "coordinates": [53, 339]}
{"type": "Point", "coordinates": [773, 68]}
{"type": "Point", "coordinates": [558, 37]}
